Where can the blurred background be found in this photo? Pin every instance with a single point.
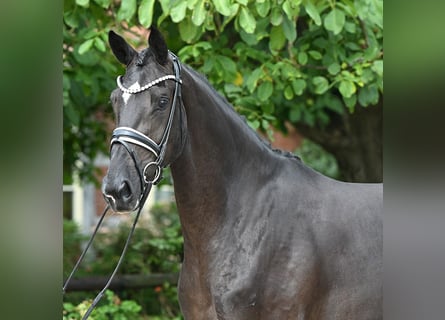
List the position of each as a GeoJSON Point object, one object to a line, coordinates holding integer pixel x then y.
{"type": "Point", "coordinates": [306, 75]}
{"type": "Point", "coordinates": [32, 137]}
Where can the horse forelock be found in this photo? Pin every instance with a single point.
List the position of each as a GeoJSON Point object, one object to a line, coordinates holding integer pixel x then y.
{"type": "Point", "coordinates": [140, 60]}
{"type": "Point", "coordinates": [142, 57]}
{"type": "Point", "coordinates": [143, 69]}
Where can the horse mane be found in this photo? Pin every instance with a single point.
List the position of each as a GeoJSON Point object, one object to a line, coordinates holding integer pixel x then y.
{"type": "Point", "coordinates": [227, 104]}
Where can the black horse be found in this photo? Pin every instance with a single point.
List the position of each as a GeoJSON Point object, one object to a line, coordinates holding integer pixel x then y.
{"type": "Point", "coordinates": [265, 236]}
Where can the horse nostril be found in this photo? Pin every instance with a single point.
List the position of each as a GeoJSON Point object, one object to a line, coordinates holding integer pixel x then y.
{"type": "Point", "coordinates": [124, 191]}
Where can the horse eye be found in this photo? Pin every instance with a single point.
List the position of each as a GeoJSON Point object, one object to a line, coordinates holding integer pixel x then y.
{"type": "Point", "coordinates": [163, 102]}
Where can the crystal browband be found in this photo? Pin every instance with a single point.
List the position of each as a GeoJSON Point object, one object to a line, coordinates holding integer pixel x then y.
{"type": "Point", "coordinates": [147, 86]}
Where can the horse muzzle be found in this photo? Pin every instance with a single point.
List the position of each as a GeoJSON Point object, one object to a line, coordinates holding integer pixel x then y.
{"type": "Point", "coordinates": [120, 195]}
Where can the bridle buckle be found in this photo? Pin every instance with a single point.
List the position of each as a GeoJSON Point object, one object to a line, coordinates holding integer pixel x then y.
{"type": "Point", "coordinates": [158, 171]}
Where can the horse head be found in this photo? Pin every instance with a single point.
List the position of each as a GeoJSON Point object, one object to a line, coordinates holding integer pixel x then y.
{"type": "Point", "coordinates": [150, 128]}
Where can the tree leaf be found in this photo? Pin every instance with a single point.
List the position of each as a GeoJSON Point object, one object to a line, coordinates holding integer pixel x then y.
{"type": "Point", "coordinates": [165, 5]}
{"type": "Point", "coordinates": [308, 117]}
{"type": "Point", "coordinates": [333, 103]}
{"type": "Point", "coordinates": [347, 88]}
{"type": "Point", "coordinates": [72, 114]}
{"type": "Point", "coordinates": [199, 14]}
{"type": "Point", "coordinates": [334, 21]}
{"type": "Point", "coordinates": [249, 38]}
{"type": "Point", "coordinates": [223, 7]}
{"type": "Point", "coordinates": [228, 68]}
{"type": "Point", "coordinates": [177, 13]}
{"type": "Point", "coordinates": [100, 44]}
{"type": "Point", "coordinates": [288, 93]}
{"type": "Point", "coordinates": [276, 18]}
{"type": "Point", "coordinates": [377, 67]}
{"type": "Point", "coordinates": [321, 84]}
{"type": "Point", "coordinates": [83, 3]}
{"type": "Point", "coordinates": [71, 19]}
{"type": "Point", "coordinates": [187, 30]}
{"type": "Point", "coordinates": [312, 12]}
{"type": "Point", "coordinates": [103, 3]}
{"type": "Point", "coordinates": [254, 124]}
{"type": "Point", "coordinates": [252, 79]}
{"type": "Point", "coordinates": [289, 29]}
{"type": "Point", "coordinates": [191, 4]}
{"type": "Point", "coordinates": [262, 8]}
{"type": "Point", "coordinates": [145, 13]}
{"type": "Point", "coordinates": [295, 114]}
{"type": "Point", "coordinates": [246, 20]}
{"type": "Point", "coordinates": [350, 27]}
{"type": "Point", "coordinates": [264, 123]}
{"type": "Point", "coordinates": [277, 38]}
{"type": "Point", "coordinates": [352, 46]}
{"type": "Point", "coordinates": [91, 33]}
{"type": "Point", "coordinates": [289, 71]}
{"type": "Point", "coordinates": [298, 85]}
{"type": "Point", "coordinates": [126, 10]}
{"type": "Point", "coordinates": [334, 68]}
{"type": "Point", "coordinates": [302, 58]}
{"type": "Point", "coordinates": [370, 10]}
{"type": "Point", "coordinates": [315, 54]}
{"type": "Point", "coordinates": [368, 95]}
{"type": "Point", "coordinates": [350, 102]}
{"type": "Point", "coordinates": [265, 90]}
{"type": "Point", "coordinates": [85, 46]}
{"type": "Point", "coordinates": [268, 108]}
{"type": "Point", "coordinates": [291, 8]}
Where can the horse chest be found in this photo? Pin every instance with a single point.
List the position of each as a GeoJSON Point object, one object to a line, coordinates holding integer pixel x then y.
{"type": "Point", "coordinates": [245, 292]}
{"type": "Point", "coordinates": [242, 282]}
{"type": "Point", "coordinates": [225, 286]}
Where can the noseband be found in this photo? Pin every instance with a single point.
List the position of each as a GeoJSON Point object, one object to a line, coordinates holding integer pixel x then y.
{"type": "Point", "coordinates": [126, 135]}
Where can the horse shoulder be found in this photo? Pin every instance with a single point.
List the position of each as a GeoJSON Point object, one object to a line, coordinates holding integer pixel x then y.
{"type": "Point", "coordinates": [266, 262]}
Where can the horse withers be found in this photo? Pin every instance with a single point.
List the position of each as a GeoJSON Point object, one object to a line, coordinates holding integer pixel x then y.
{"type": "Point", "coordinates": [265, 236]}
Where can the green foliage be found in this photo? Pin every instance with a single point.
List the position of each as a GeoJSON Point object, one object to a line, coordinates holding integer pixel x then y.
{"type": "Point", "coordinates": [155, 248]}
{"type": "Point", "coordinates": [317, 57]}
{"type": "Point", "coordinates": [317, 158]}
{"type": "Point", "coordinates": [113, 308]}
{"type": "Point", "coordinates": [335, 51]}
{"type": "Point", "coordinates": [88, 78]}
{"type": "Point", "coordinates": [334, 21]}
{"type": "Point", "coordinates": [71, 245]}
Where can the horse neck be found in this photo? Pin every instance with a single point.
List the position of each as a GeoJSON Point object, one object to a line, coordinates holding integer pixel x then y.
{"type": "Point", "coordinates": [220, 149]}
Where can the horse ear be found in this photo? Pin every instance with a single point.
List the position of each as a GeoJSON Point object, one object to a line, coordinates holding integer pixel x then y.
{"type": "Point", "coordinates": [121, 49]}
{"type": "Point", "coordinates": [157, 44]}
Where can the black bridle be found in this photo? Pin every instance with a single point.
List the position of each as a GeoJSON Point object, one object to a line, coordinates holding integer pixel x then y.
{"type": "Point", "coordinates": [126, 136]}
